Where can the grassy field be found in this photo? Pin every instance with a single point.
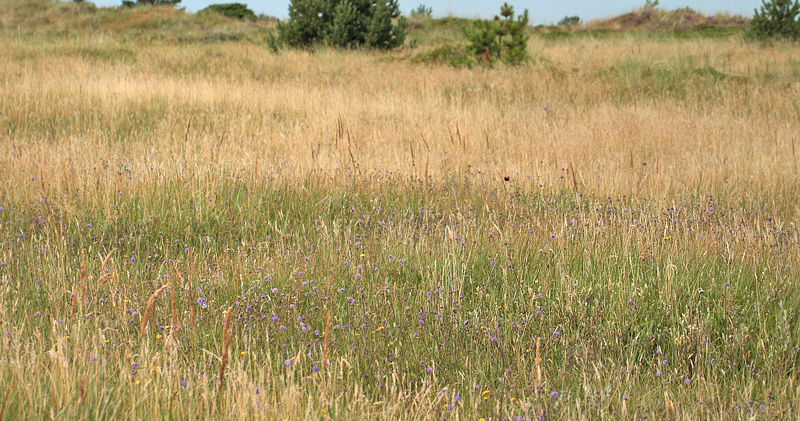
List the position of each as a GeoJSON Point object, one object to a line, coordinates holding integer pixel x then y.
{"type": "Point", "coordinates": [196, 226]}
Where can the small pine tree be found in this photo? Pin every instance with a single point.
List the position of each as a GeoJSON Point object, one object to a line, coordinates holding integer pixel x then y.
{"type": "Point", "coordinates": [502, 39]}
{"type": "Point", "coordinates": [343, 23]}
{"type": "Point", "coordinates": [777, 19]}
{"type": "Point", "coordinates": [422, 12]}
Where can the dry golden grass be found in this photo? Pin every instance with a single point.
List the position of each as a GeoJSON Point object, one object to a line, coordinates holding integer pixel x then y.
{"type": "Point", "coordinates": [190, 111]}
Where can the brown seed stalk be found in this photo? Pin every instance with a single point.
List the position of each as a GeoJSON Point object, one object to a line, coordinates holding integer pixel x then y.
{"type": "Point", "coordinates": [104, 277]}
{"type": "Point", "coordinates": [148, 312]}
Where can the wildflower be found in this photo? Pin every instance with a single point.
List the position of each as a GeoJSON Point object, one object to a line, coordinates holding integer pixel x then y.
{"type": "Point", "coordinates": [287, 363]}
{"type": "Point", "coordinates": [688, 381]}
{"type": "Point", "coordinates": [183, 383]}
{"type": "Point", "coordinates": [553, 395]}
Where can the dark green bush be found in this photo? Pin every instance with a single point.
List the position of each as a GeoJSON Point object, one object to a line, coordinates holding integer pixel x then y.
{"type": "Point", "coordinates": [569, 21]}
{"type": "Point", "coordinates": [128, 3]}
{"type": "Point", "coordinates": [344, 23]}
{"type": "Point", "coordinates": [777, 19]}
{"type": "Point", "coordinates": [231, 10]}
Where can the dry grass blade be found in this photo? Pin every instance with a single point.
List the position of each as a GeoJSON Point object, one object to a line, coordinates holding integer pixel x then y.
{"type": "Point", "coordinates": [105, 261]}
{"type": "Point", "coordinates": [104, 277]}
{"type": "Point", "coordinates": [175, 329]}
{"type": "Point", "coordinates": [226, 341]}
{"type": "Point", "coordinates": [327, 340]}
{"type": "Point", "coordinates": [83, 277]}
{"type": "Point", "coordinates": [538, 362]}
{"type": "Point", "coordinates": [148, 312]}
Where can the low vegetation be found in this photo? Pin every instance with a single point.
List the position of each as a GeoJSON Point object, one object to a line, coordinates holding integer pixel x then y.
{"type": "Point", "coordinates": [193, 226]}
{"type": "Point", "coordinates": [231, 10]}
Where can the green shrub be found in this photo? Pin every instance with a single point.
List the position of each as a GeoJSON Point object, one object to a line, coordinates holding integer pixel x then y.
{"type": "Point", "coordinates": [569, 21]}
{"type": "Point", "coordinates": [450, 54]}
{"type": "Point", "coordinates": [231, 10]}
{"type": "Point", "coordinates": [128, 3]}
{"type": "Point", "coordinates": [421, 13]}
{"type": "Point", "coordinates": [501, 39]}
{"type": "Point", "coordinates": [131, 3]}
{"type": "Point", "coordinates": [777, 19]}
{"type": "Point", "coordinates": [344, 23]}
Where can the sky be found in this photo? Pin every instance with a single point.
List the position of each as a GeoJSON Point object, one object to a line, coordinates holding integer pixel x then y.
{"type": "Point", "coordinates": [541, 11]}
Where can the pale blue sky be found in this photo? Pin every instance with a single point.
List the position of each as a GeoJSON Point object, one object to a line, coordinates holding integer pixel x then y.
{"type": "Point", "coordinates": [541, 11]}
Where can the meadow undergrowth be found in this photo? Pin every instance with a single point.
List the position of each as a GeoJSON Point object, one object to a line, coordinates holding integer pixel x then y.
{"type": "Point", "coordinates": [606, 232]}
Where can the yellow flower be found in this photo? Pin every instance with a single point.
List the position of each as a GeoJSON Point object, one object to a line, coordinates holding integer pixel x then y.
{"type": "Point", "coordinates": [379, 329]}
{"type": "Point", "coordinates": [158, 336]}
